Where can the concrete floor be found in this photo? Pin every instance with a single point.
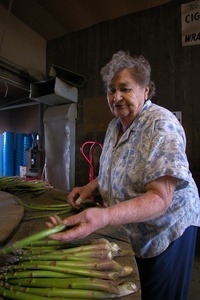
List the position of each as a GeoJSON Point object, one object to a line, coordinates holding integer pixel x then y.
{"type": "Point", "coordinates": [194, 293]}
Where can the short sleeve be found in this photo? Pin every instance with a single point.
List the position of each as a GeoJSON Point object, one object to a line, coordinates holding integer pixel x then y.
{"type": "Point", "coordinates": [167, 153]}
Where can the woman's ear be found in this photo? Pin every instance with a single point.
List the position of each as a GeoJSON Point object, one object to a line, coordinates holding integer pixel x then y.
{"type": "Point", "coordinates": [146, 93]}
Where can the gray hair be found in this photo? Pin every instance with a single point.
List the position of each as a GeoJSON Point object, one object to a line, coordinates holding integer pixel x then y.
{"type": "Point", "coordinates": [139, 66]}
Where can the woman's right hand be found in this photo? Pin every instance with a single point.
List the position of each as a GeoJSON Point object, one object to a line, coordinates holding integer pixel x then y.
{"type": "Point", "coordinates": [77, 195]}
{"type": "Point", "coordinates": [80, 193]}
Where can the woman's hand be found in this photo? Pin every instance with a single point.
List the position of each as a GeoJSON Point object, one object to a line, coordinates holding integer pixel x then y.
{"type": "Point", "coordinates": [80, 225]}
{"type": "Point", "coordinates": [78, 194]}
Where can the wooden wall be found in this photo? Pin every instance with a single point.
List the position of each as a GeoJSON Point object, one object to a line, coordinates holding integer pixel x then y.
{"type": "Point", "coordinates": [155, 33]}
{"type": "Point", "coordinates": [20, 120]}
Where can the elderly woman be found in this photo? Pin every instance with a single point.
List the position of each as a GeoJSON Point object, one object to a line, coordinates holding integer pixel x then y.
{"type": "Point", "coordinates": [145, 181]}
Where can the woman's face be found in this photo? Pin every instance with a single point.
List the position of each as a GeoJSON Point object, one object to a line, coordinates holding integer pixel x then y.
{"type": "Point", "coordinates": [126, 97]}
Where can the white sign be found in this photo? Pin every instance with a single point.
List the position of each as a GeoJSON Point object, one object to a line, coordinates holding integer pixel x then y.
{"type": "Point", "coordinates": [190, 15]}
{"type": "Point", "coordinates": [178, 114]}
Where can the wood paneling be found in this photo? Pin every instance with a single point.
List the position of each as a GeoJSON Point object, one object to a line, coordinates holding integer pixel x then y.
{"type": "Point", "coordinates": [96, 114]}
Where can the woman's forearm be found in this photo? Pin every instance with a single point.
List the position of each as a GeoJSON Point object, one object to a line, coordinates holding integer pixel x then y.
{"type": "Point", "coordinates": [92, 186]}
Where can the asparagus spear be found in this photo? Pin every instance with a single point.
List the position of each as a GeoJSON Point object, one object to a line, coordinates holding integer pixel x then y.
{"type": "Point", "coordinates": [59, 206]}
{"type": "Point", "coordinates": [124, 290]}
{"type": "Point", "coordinates": [63, 260]}
{"type": "Point", "coordinates": [60, 212]}
{"type": "Point", "coordinates": [53, 266]}
{"type": "Point", "coordinates": [69, 283]}
{"type": "Point", "coordinates": [34, 274]}
{"type": "Point", "coordinates": [93, 247]}
{"type": "Point", "coordinates": [29, 239]}
{"type": "Point", "coordinates": [48, 242]}
{"type": "Point", "coordinates": [19, 295]}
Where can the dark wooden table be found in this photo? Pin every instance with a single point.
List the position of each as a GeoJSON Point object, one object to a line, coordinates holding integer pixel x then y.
{"type": "Point", "coordinates": [114, 234]}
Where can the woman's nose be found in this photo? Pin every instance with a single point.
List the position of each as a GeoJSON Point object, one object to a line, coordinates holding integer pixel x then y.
{"type": "Point", "coordinates": [117, 96]}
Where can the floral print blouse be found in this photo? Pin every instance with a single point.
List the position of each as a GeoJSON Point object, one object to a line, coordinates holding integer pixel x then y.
{"type": "Point", "coordinates": [153, 146]}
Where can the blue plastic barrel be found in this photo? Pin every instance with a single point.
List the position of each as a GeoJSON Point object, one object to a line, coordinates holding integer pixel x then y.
{"type": "Point", "coordinates": [19, 152]}
{"type": "Point", "coordinates": [8, 154]}
{"type": "Point", "coordinates": [1, 154]}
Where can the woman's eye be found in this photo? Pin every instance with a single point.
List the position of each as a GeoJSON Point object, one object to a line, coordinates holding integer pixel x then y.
{"type": "Point", "coordinates": [125, 90]}
{"type": "Point", "coordinates": [111, 91]}
{"type": "Point", "coordinates": [122, 90]}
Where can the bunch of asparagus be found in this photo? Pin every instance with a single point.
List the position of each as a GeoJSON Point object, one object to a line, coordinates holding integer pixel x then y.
{"type": "Point", "coordinates": [45, 210]}
{"type": "Point", "coordinates": [18, 185]}
{"type": "Point", "coordinates": [38, 268]}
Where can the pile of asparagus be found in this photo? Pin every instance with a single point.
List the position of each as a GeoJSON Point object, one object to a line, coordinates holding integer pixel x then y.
{"type": "Point", "coordinates": [38, 268]}
{"type": "Point", "coordinates": [18, 185]}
